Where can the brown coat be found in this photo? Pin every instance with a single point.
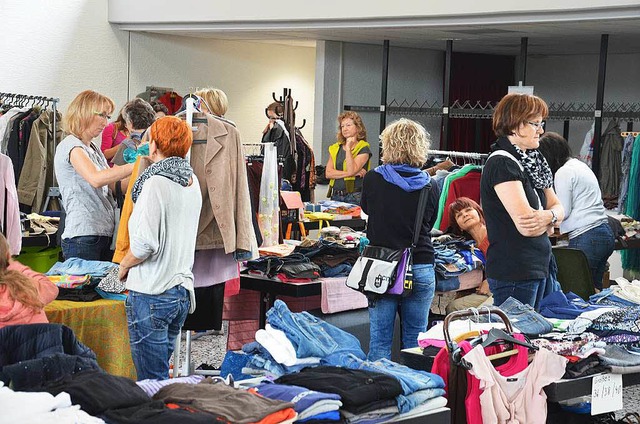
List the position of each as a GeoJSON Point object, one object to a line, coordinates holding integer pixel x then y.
{"type": "Point", "coordinates": [225, 219]}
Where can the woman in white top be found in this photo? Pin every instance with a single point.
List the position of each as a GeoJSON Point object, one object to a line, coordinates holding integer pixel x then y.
{"type": "Point", "coordinates": [162, 229]}
{"type": "Point", "coordinates": [86, 182]}
{"type": "Point", "coordinates": [579, 192]}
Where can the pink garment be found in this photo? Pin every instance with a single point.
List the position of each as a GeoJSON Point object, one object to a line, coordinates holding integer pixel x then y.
{"type": "Point", "coordinates": [13, 230]}
{"type": "Point", "coordinates": [514, 365]}
{"type": "Point", "coordinates": [470, 279]}
{"type": "Point", "coordinates": [520, 398]}
{"type": "Point", "coordinates": [213, 266]}
{"type": "Point", "coordinates": [107, 137]}
{"type": "Point", "coordinates": [13, 312]}
{"type": "Point", "coordinates": [337, 297]}
{"type": "Point", "coordinates": [442, 366]}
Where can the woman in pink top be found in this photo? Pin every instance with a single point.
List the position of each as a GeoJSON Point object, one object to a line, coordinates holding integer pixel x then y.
{"type": "Point", "coordinates": [23, 292]}
{"type": "Point", "coordinates": [112, 135]}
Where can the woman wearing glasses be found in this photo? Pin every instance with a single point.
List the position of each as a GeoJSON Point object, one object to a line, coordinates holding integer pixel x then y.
{"type": "Point", "coordinates": [86, 182]}
{"type": "Point", "coordinates": [519, 203]}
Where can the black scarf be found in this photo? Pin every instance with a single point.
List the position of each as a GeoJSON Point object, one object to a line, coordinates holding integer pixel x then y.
{"type": "Point", "coordinates": [533, 162]}
{"type": "Point", "coordinates": [174, 168]}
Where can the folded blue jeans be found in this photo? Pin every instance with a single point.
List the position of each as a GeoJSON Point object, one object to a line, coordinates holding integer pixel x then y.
{"type": "Point", "coordinates": [310, 335]}
{"type": "Point", "coordinates": [524, 317]}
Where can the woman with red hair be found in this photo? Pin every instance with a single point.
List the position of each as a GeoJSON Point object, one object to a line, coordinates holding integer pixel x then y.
{"type": "Point", "coordinates": [467, 219]}
{"type": "Point", "coordinates": [157, 267]}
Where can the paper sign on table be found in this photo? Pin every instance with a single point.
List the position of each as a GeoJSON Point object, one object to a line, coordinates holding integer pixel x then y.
{"type": "Point", "coordinates": [606, 393]}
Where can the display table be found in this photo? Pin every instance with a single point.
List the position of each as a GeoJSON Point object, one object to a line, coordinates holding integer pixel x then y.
{"type": "Point", "coordinates": [101, 325]}
{"type": "Point", "coordinates": [270, 288]}
{"type": "Point", "coordinates": [357, 224]}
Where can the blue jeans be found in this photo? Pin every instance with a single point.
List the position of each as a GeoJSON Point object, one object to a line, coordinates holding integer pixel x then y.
{"type": "Point", "coordinates": [154, 323]}
{"type": "Point", "coordinates": [417, 386]}
{"type": "Point", "coordinates": [91, 248]}
{"type": "Point", "coordinates": [310, 335]}
{"type": "Point", "coordinates": [529, 292]}
{"type": "Point", "coordinates": [524, 318]}
{"type": "Point", "coordinates": [413, 310]}
{"type": "Point", "coordinates": [597, 245]}
{"type": "Point", "coordinates": [353, 198]}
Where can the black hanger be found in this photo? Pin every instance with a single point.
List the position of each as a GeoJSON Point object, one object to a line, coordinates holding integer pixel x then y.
{"type": "Point", "coordinates": [499, 335]}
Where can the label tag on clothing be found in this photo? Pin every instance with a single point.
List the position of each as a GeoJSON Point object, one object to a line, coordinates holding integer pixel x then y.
{"type": "Point", "coordinates": [606, 393]}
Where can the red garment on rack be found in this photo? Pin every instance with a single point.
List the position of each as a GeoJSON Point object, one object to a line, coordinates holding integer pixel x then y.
{"type": "Point", "coordinates": [172, 100]}
{"type": "Point", "coordinates": [466, 186]}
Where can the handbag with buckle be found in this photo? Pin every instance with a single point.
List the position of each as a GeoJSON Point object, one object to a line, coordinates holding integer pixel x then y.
{"type": "Point", "coordinates": [383, 270]}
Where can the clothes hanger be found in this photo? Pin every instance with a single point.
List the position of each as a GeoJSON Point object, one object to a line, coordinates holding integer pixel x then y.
{"type": "Point", "coordinates": [501, 336]}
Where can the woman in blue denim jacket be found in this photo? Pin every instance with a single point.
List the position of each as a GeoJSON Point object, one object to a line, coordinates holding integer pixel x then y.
{"type": "Point", "coordinates": [585, 220]}
{"type": "Point", "coordinates": [390, 198]}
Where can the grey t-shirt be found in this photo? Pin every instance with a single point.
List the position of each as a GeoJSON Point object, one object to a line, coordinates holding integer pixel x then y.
{"type": "Point", "coordinates": [340, 183]}
{"type": "Point", "coordinates": [89, 211]}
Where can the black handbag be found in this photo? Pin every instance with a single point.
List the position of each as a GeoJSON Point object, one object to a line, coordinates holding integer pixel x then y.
{"type": "Point", "coordinates": [383, 270]}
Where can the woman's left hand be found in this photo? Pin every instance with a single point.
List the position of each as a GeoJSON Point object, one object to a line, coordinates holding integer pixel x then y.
{"type": "Point", "coordinates": [535, 221]}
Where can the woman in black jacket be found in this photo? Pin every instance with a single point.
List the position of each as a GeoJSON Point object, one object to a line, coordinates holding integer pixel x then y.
{"type": "Point", "coordinates": [390, 198]}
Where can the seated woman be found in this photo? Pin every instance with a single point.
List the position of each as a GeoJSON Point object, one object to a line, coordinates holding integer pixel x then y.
{"type": "Point", "coordinates": [23, 292]}
{"type": "Point", "coordinates": [349, 159]}
{"type": "Point", "coordinates": [467, 220]}
{"type": "Point", "coordinates": [585, 220]}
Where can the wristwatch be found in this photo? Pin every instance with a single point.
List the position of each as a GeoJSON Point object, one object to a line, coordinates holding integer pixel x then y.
{"type": "Point", "coordinates": [554, 218]}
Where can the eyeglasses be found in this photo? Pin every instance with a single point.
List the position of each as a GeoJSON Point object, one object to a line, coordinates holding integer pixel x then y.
{"type": "Point", "coordinates": [537, 125]}
{"type": "Point", "coordinates": [102, 115]}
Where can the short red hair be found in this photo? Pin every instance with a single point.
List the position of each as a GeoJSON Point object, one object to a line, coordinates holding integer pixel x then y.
{"type": "Point", "coordinates": [458, 205]}
{"type": "Point", "coordinates": [172, 136]}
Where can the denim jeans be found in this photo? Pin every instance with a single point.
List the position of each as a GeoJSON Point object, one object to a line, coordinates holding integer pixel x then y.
{"type": "Point", "coordinates": [529, 292]}
{"type": "Point", "coordinates": [524, 318]}
{"type": "Point", "coordinates": [353, 198]}
{"type": "Point", "coordinates": [78, 266]}
{"type": "Point", "coordinates": [310, 335]}
{"type": "Point", "coordinates": [417, 386]}
{"type": "Point", "coordinates": [91, 248]}
{"type": "Point", "coordinates": [413, 310]}
{"type": "Point", "coordinates": [154, 323]}
{"type": "Point", "coordinates": [597, 245]}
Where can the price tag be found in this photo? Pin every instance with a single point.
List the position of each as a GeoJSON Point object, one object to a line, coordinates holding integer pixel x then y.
{"type": "Point", "coordinates": [606, 393]}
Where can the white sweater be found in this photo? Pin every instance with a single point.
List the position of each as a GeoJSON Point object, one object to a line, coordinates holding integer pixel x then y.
{"type": "Point", "coordinates": [579, 192]}
{"type": "Point", "coordinates": [163, 228]}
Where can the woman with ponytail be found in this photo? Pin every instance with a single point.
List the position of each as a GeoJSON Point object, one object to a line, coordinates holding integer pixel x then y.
{"type": "Point", "coordinates": [23, 291]}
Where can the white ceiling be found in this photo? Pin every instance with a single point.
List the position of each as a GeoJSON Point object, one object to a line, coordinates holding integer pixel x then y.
{"type": "Point", "coordinates": [544, 38]}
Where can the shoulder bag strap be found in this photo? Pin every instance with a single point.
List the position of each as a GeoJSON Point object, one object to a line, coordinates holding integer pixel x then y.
{"type": "Point", "coordinates": [422, 206]}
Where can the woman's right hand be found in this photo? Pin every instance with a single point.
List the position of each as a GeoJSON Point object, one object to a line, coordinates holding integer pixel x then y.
{"type": "Point", "coordinates": [361, 173]}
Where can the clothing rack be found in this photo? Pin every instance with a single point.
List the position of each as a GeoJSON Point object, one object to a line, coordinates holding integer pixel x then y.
{"type": "Point", "coordinates": [469, 155]}
{"type": "Point", "coordinates": [25, 99]}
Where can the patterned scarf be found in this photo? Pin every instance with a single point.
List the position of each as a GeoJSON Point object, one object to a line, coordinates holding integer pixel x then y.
{"type": "Point", "coordinates": [174, 168]}
{"type": "Point", "coordinates": [533, 161]}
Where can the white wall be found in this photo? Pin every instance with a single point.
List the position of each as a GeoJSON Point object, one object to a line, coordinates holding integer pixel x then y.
{"type": "Point", "coordinates": [59, 48]}
{"type": "Point", "coordinates": [247, 72]}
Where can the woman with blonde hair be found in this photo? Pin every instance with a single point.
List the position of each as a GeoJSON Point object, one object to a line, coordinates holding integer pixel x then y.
{"type": "Point", "coordinates": [215, 101]}
{"type": "Point", "coordinates": [23, 292]}
{"type": "Point", "coordinates": [390, 196]}
{"type": "Point", "coordinates": [349, 159]}
{"type": "Point", "coordinates": [85, 179]}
